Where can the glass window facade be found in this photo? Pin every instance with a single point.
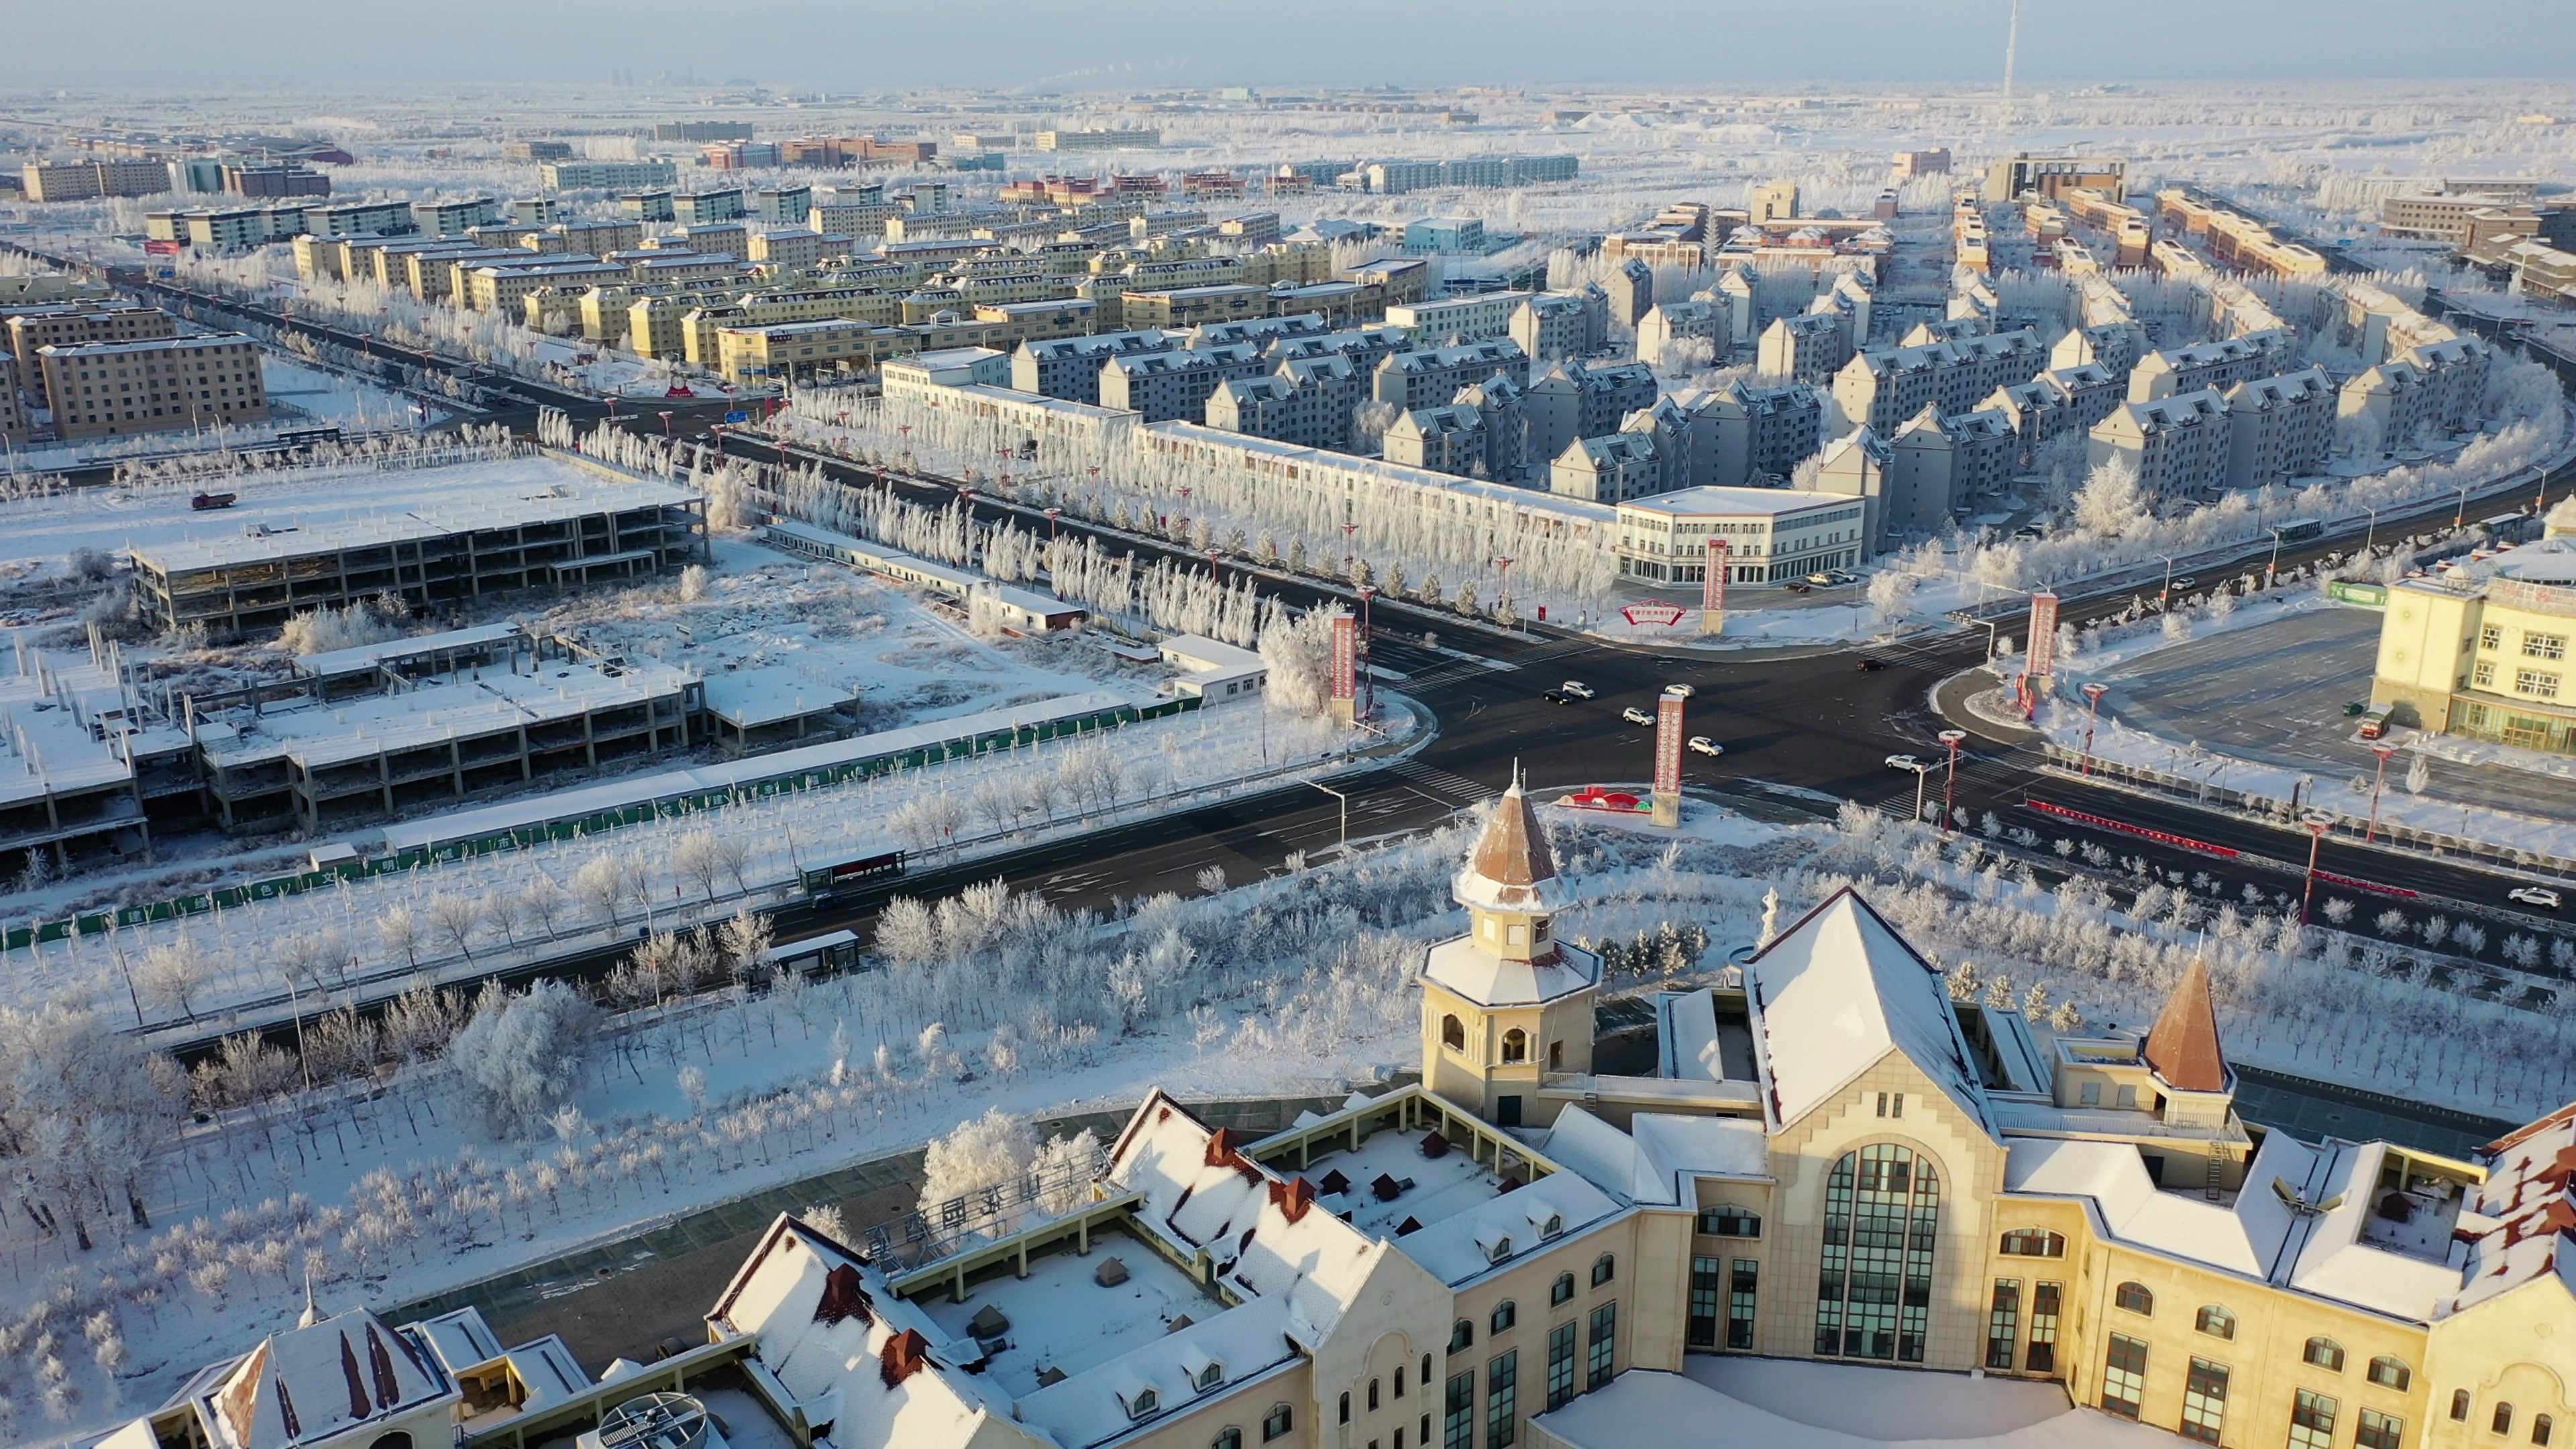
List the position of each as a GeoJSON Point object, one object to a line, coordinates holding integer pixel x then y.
{"type": "Point", "coordinates": [2312, 1421]}
{"type": "Point", "coordinates": [1874, 1289]}
{"type": "Point", "coordinates": [2003, 1324]}
{"type": "Point", "coordinates": [1599, 1368]}
{"type": "Point", "coordinates": [1502, 1400]}
{"type": "Point", "coordinates": [1560, 1365]}
{"type": "Point", "coordinates": [1706, 1286]}
{"type": "Point", "coordinates": [2204, 1401]}
{"type": "Point", "coordinates": [2124, 1375]}
{"type": "Point", "coordinates": [1740, 1296]}
{"type": "Point", "coordinates": [2044, 1305]}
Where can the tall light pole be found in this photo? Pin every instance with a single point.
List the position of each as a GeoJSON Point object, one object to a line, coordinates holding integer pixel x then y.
{"type": "Point", "coordinates": [2460, 519]}
{"type": "Point", "coordinates": [1346, 810]}
{"type": "Point", "coordinates": [2092, 710]}
{"type": "Point", "coordinates": [2318, 823]}
{"type": "Point", "coordinates": [2274, 567]}
{"type": "Point", "coordinates": [1368, 679]}
{"type": "Point", "coordinates": [2371, 537]}
{"type": "Point", "coordinates": [1505, 564]}
{"type": "Point", "coordinates": [1922, 773]}
{"type": "Point", "coordinates": [2384, 752]}
{"type": "Point", "coordinates": [1950, 782]}
{"type": "Point", "coordinates": [2164, 596]}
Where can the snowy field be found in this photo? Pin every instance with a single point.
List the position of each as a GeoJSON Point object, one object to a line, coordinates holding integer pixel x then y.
{"type": "Point", "coordinates": [333, 397]}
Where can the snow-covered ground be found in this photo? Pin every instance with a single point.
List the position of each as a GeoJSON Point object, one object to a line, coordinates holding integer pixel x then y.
{"type": "Point", "coordinates": [333, 397]}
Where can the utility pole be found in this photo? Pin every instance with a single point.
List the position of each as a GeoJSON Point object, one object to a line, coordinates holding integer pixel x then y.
{"type": "Point", "coordinates": [1950, 781]}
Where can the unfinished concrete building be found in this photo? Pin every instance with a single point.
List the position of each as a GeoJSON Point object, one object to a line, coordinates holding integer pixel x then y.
{"type": "Point", "coordinates": [439, 552]}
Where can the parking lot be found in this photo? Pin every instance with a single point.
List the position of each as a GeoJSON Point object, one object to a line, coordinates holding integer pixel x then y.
{"type": "Point", "coordinates": [2275, 693]}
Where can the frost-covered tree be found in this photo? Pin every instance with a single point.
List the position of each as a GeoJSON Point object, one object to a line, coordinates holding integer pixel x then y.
{"type": "Point", "coordinates": [521, 1053]}
{"type": "Point", "coordinates": [2111, 500]}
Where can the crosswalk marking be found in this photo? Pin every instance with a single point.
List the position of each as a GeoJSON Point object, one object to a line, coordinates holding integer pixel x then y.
{"type": "Point", "coordinates": [1432, 777]}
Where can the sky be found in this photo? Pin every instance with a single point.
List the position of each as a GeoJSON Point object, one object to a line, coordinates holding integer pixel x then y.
{"type": "Point", "coordinates": [869, 45]}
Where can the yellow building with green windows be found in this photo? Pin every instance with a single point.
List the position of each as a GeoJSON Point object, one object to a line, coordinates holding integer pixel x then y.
{"type": "Point", "coordinates": [2481, 648]}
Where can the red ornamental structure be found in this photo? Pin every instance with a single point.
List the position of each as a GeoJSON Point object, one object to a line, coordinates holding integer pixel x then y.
{"type": "Point", "coordinates": [1345, 666]}
{"type": "Point", "coordinates": [1668, 760]}
{"type": "Point", "coordinates": [2043, 635]}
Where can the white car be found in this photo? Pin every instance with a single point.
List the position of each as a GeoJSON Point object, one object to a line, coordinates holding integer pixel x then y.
{"type": "Point", "coordinates": [1684, 690]}
{"type": "Point", "coordinates": [1636, 716]}
{"type": "Point", "coordinates": [1703, 745]}
{"type": "Point", "coordinates": [1575, 687]}
{"type": "Point", "coordinates": [2541, 896]}
{"type": "Point", "coordinates": [1903, 762]}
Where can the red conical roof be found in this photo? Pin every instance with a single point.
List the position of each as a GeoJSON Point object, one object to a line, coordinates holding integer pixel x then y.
{"type": "Point", "coordinates": [2183, 1048]}
{"type": "Point", "coordinates": [1512, 851]}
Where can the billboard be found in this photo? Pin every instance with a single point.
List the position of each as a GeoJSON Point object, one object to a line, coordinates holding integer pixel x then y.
{"type": "Point", "coordinates": [163, 247]}
{"type": "Point", "coordinates": [1345, 657]}
{"type": "Point", "coordinates": [2043, 635]}
{"type": "Point", "coordinates": [1712, 589]}
{"type": "Point", "coordinates": [1653, 612]}
{"type": "Point", "coordinates": [1668, 745]}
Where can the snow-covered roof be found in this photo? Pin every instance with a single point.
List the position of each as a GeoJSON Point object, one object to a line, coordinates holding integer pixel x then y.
{"type": "Point", "coordinates": [321, 1379]}
{"type": "Point", "coordinates": [2298, 1224]}
{"type": "Point", "coordinates": [1839, 990]}
{"type": "Point", "coordinates": [452, 707]}
{"type": "Point", "coordinates": [2516, 1231]}
{"type": "Point", "coordinates": [360, 657]}
{"type": "Point", "coordinates": [1503, 1229]}
{"type": "Point", "coordinates": [1695, 504]}
{"type": "Point", "coordinates": [1211, 1356]}
{"type": "Point", "coordinates": [750, 698]}
{"type": "Point", "coordinates": [1266, 1234]}
{"type": "Point", "coordinates": [849, 1351]}
{"type": "Point", "coordinates": [1654, 1160]}
{"type": "Point", "coordinates": [453, 503]}
{"type": "Point", "coordinates": [1686, 1034]}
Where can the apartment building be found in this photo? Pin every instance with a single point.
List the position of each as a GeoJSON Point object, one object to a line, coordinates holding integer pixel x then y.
{"type": "Point", "coordinates": [1881, 387]}
{"type": "Point", "coordinates": [1630, 287]}
{"type": "Point", "coordinates": [1502, 413]}
{"type": "Point", "coordinates": [1609, 469]}
{"type": "Point", "coordinates": [1571, 401]}
{"type": "Point", "coordinates": [1554, 325]}
{"type": "Point", "coordinates": [1668, 323]}
{"type": "Point", "coordinates": [707, 238]}
{"type": "Point", "coordinates": [1911, 164]}
{"type": "Point", "coordinates": [359, 218]}
{"type": "Point", "coordinates": [1448, 439]}
{"type": "Point", "coordinates": [2461, 221]}
{"type": "Point", "coordinates": [1940, 463]}
{"type": "Point", "coordinates": [2219, 364]}
{"type": "Point", "coordinates": [1308, 401]}
{"type": "Point", "coordinates": [1743, 436]}
{"type": "Point", "coordinates": [2280, 429]}
{"type": "Point", "coordinates": [14, 424]}
{"type": "Point", "coordinates": [2058, 402]}
{"type": "Point", "coordinates": [2009, 178]}
{"type": "Point", "coordinates": [2237, 241]}
{"type": "Point", "coordinates": [454, 218]}
{"type": "Point", "coordinates": [89, 180]}
{"type": "Point", "coordinates": [1100, 140]}
{"type": "Point", "coordinates": [609, 175]}
{"type": "Point", "coordinates": [1069, 367]}
{"type": "Point", "coordinates": [2180, 445]}
{"type": "Point", "coordinates": [111, 389]}
{"type": "Point", "coordinates": [2391, 403]}
{"type": "Point", "coordinates": [275, 180]}
{"type": "Point", "coordinates": [2115, 347]}
{"type": "Point", "coordinates": [31, 328]}
{"type": "Point", "coordinates": [1184, 307]}
{"type": "Point", "coordinates": [1163, 386]}
{"type": "Point", "coordinates": [1810, 347]}
{"type": "Point", "coordinates": [1432, 376]}
{"type": "Point", "coordinates": [696, 208]}
{"type": "Point", "coordinates": [504, 289]}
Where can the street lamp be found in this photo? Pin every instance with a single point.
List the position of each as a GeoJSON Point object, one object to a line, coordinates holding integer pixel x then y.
{"type": "Point", "coordinates": [2092, 710]}
{"type": "Point", "coordinates": [1950, 782]}
{"type": "Point", "coordinates": [2318, 823]}
{"type": "Point", "coordinates": [1346, 810]}
{"type": "Point", "coordinates": [1368, 681]}
{"type": "Point", "coordinates": [2385, 753]}
{"type": "Point", "coordinates": [666, 425]}
{"type": "Point", "coordinates": [2460, 519]}
{"type": "Point", "coordinates": [2372, 536]}
{"type": "Point", "coordinates": [2164, 596]}
{"type": "Point", "coordinates": [2274, 566]}
{"type": "Point", "coordinates": [1922, 772]}
{"type": "Point", "coordinates": [1505, 564]}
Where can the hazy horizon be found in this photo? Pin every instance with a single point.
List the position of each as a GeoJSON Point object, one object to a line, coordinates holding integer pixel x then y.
{"type": "Point", "coordinates": [1162, 43]}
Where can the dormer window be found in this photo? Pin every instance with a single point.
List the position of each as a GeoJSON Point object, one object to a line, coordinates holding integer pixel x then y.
{"type": "Point", "coordinates": [1516, 1045]}
{"type": "Point", "coordinates": [1140, 1401]}
{"type": "Point", "coordinates": [1209, 1375]}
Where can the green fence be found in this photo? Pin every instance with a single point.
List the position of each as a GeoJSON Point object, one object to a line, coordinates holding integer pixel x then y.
{"type": "Point", "coordinates": [521, 837]}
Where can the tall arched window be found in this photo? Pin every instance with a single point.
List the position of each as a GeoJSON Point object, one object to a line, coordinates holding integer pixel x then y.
{"type": "Point", "coordinates": [1874, 1290]}
{"type": "Point", "coordinates": [1453, 1034]}
{"type": "Point", "coordinates": [1516, 1045]}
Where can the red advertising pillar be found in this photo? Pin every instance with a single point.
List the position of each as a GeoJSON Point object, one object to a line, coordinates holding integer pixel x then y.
{"type": "Point", "coordinates": [1345, 695]}
{"type": "Point", "coordinates": [1668, 760]}
{"type": "Point", "coordinates": [2043, 635]}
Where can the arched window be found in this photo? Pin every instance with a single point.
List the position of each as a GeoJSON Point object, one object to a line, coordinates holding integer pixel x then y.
{"type": "Point", "coordinates": [2135, 1298]}
{"type": "Point", "coordinates": [1462, 1335]}
{"type": "Point", "coordinates": [1346, 1406]}
{"type": "Point", "coordinates": [2034, 1243]}
{"type": "Point", "coordinates": [2215, 1321]}
{"type": "Point", "coordinates": [2390, 1373]}
{"type": "Point", "coordinates": [1604, 1268]}
{"type": "Point", "coordinates": [2325, 1353]}
{"type": "Point", "coordinates": [2460, 1405]}
{"type": "Point", "coordinates": [1874, 1287]}
{"type": "Point", "coordinates": [1505, 1315]}
{"type": "Point", "coordinates": [1563, 1290]}
{"type": "Point", "coordinates": [1227, 1438]}
{"type": "Point", "coordinates": [1372, 1396]}
{"type": "Point", "coordinates": [1453, 1033]}
{"type": "Point", "coordinates": [1730, 1222]}
{"type": "Point", "coordinates": [1210, 1375]}
{"type": "Point", "coordinates": [1280, 1420]}
{"type": "Point", "coordinates": [1399, 1381]}
{"type": "Point", "coordinates": [398, 1439]}
{"type": "Point", "coordinates": [2502, 1422]}
{"type": "Point", "coordinates": [1516, 1045]}
{"type": "Point", "coordinates": [2541, 1425]}
{"type": "Point", "coordinates": [1426, 1372]}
